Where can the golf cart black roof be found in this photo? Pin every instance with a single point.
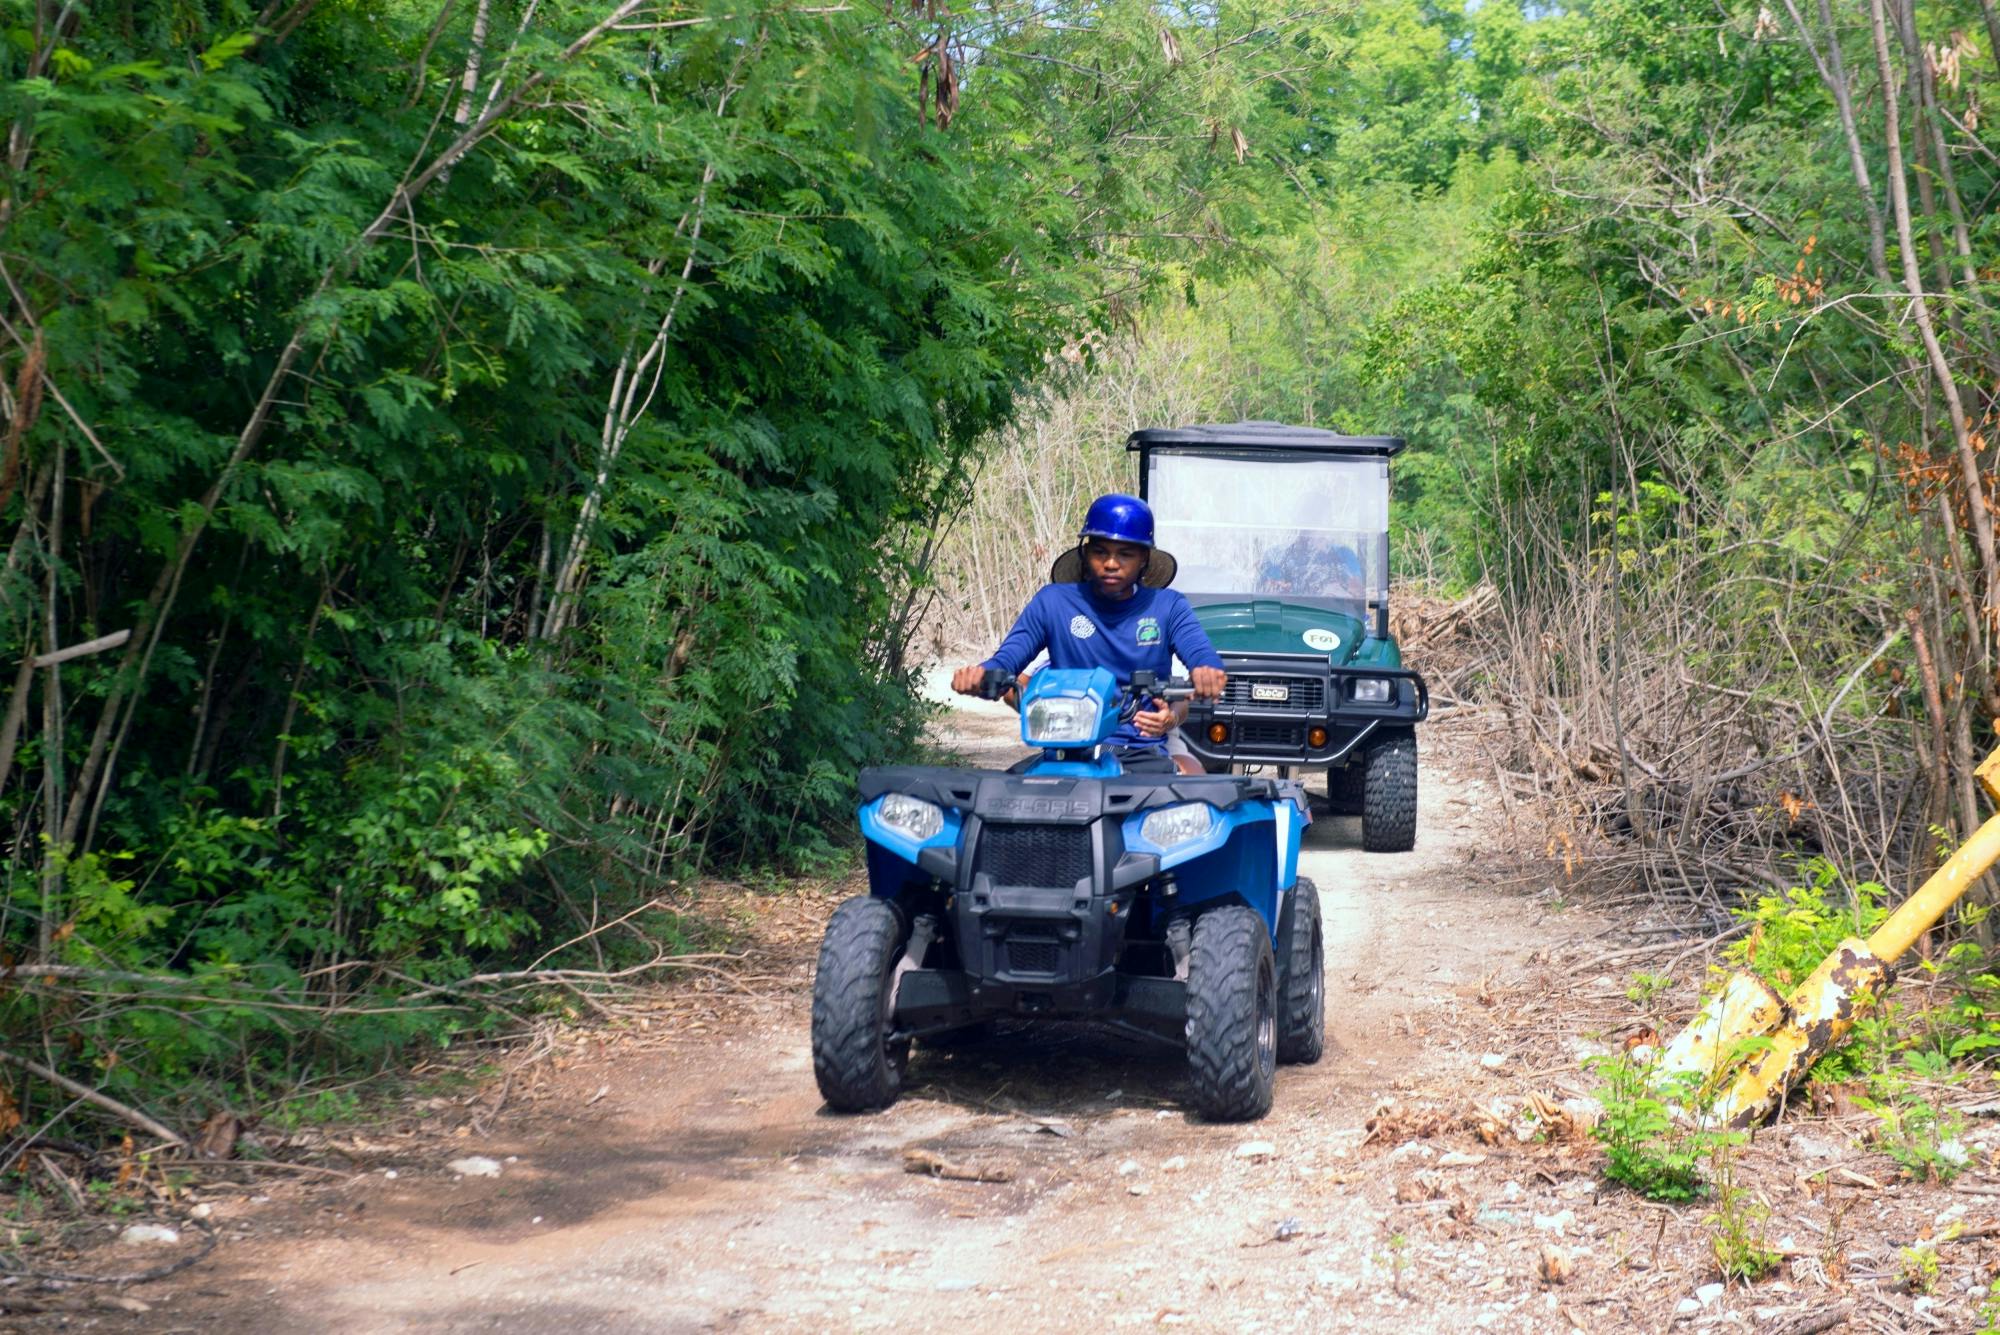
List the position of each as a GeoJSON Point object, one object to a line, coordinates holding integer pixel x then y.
{"type": "Point", "coordinates": [1262, 436]}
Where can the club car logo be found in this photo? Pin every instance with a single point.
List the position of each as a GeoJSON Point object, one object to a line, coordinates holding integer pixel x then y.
{"type": "Point", "coordinates": [1323, 640]}
{"type": "Point", "coordinates": [1149, 630]}
{"type": "Point", "coordinates": [1081, 626]}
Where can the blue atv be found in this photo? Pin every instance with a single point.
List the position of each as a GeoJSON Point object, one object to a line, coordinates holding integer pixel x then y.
{"type": "Point", "coordinates": [1163, 905]}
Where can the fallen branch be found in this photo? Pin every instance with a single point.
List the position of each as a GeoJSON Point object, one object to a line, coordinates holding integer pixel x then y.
{"type": "Point", "coordinates": [131, 1116]}
{"type": "Point", "coordinates": [927, 1164]}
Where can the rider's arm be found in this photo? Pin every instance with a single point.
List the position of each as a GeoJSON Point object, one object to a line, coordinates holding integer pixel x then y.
{"type": "Point", "coordinates": [1189, 642]}
{"type": "Point", "coordinates": [1028, 637]}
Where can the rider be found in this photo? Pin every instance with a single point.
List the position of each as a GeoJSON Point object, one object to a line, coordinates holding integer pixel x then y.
{"type": "Point", "coordinates": [1107, 605]}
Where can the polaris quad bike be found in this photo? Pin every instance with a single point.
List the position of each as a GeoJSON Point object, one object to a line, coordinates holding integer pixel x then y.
{"type": "Point", "coordinates": [1282, 535]}
{"type": "Point", "coordinates": [1166, 906]}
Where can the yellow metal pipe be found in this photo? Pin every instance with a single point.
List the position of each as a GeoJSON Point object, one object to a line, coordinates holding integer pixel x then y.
{"type": "Point", "coordinates": [1940, 892]}
{"type": "Point", "coordinates": [1820, 1011]}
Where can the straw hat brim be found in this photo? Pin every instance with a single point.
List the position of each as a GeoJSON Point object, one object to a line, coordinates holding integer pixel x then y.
{"type": "Point", "coordinates": [1160, 569]}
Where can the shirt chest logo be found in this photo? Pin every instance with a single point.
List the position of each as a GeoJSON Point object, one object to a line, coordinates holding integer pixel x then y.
{"type": "Point", "coordinates": [1149, 630]}
{"type": "Point", "coordinates": [1082, 627]}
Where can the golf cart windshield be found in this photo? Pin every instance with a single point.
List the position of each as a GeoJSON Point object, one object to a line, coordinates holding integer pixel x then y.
{"type": "Point", "coordinates": [1301, 526]}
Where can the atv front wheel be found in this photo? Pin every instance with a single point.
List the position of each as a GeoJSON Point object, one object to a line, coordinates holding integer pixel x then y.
{"type": "Point", "coordinates": [1302, 1024]}
{"type": "Point", "coordinates": [1232, 1015]}
{"type": "Point", "coordinates": [856, 1059]}
{"type": "Point", "coordinates": [1389, 797]}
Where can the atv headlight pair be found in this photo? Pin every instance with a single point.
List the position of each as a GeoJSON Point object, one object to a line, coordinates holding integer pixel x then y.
{"type": "Point", "coordinates": [1058, 720]}
{"type": "Point", "coordinates": [1170, 827]}
{"type": "Point", "coordinates": [910, 815]}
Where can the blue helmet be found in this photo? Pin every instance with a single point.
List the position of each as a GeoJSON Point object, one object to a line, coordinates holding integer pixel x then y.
{"type": "Point", "coordinates": [1119, 518]}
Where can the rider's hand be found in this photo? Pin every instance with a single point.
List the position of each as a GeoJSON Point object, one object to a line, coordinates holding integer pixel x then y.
{"type": "Point", "coordinates": [967, 680]}
{"type": "Point", "coordinates": [1154, 722]}
{"type": "Point", "coordinates": [1208, 682]}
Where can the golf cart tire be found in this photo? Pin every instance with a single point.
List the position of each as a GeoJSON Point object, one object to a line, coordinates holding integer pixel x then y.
{"type": "Point", "coordinates": [1232, 1020]}
{"type": "Point", "coordinates": [858, 1067]}
{"type": "Point", "coordinates": [1302, 1016]}
{"type": "Point", "coordinates": [1389, 797]}
{"type": "Point", "coordinates": [1346, 789]}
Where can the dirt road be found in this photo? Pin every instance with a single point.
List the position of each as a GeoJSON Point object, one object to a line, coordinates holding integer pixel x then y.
{"type": "Point", "coordinates": [707, 1188]}
{"type": "Point", "coordinates": [678, 1172]}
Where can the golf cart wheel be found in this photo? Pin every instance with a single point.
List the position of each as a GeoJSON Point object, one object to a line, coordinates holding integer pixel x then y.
{"type": "Point", "coordinates": [856, 1059]}
{"type": "Point", "coordinates": [1232, 1015]}
{"type": "Point", "coordinates": [1389, 799]}
{"type": "Point", "coordinates": [1302, 1024]}
{"type": "Point", "coordinates": [1346, 789]}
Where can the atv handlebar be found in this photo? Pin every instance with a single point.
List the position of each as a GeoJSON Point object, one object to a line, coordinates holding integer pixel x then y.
{"type": "Point", "coordinates": [1144, 685]}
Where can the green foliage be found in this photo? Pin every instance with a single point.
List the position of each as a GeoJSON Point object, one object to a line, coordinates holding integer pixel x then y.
{"type": "Point", "coordinates": [1739, 1225]}
{"type": "Point", "coordinates": [1914, 1126]}
{"type": "Point", "coordinates": [510, 520]}
{"type": "Point", "coordinates": [1792, 932]}
{"type": "Point", "coordinates": [1649, 1145]}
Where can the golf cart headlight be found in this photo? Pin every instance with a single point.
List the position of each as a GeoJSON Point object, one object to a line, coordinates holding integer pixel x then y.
{"type": "Point", "coordinates": [1372, 690]}
{"type": "Point", "coordinates": [1061, 721]}
{"type": "Point", "coordinates": [1173, 826]}
{"type": "Point", "coordinates": [911, 815]}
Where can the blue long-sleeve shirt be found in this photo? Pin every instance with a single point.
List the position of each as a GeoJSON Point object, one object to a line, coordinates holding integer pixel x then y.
{"type": "Point", "coordinates": [1081, 629]}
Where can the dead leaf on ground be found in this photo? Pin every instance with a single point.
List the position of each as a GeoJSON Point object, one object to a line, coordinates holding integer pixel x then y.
{"type": "Point", "coordinates": [1425, 1186]}
{"type": "Point", "coordinates": [216, 1138]}
{"type": "Point", "coordinates": [1554, 1266]}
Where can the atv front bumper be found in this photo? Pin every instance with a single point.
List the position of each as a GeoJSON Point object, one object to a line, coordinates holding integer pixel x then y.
{"type": "Point", "coordinates": [932, 1000]}
{"type": "Point", "coordinates": [1300, 711]}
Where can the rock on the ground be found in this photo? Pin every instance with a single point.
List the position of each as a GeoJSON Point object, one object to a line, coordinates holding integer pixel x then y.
{"type": "Point", "coordinates": [139, 1235]}
{"type": "Point", "coordinates": [1256, 1150]}
{"type": "Point", "coordinates": [476, 1165]}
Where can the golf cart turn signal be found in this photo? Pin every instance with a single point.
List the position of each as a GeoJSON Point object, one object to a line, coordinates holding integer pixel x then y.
{"type": "Point", "coordinates": [1315, 738]}
{"type": "Point", "coordinates": [1218, 733]}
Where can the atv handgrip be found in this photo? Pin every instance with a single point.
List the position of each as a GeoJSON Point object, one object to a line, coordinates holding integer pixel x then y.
{"type": "Point", "coordinates": [995, 684]}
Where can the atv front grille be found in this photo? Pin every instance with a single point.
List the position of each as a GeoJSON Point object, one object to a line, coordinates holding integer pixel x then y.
{"type": "Point", "coordinates": [1288, 736]}
{"type": "Point", "coordinates": [1302, 695]}
{"type": "Point", "coordinates": [1034, 956]}
{"type": "Point", "coordinates": [1046, 855]}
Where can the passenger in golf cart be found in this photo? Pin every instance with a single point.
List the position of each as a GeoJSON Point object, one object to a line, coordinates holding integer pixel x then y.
{"type": "Point", "coordinates": [1107, 605]}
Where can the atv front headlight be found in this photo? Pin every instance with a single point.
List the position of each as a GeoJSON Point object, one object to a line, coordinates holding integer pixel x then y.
{"type": "Point", "coordinates": [911, 815]}
{"type": "Point", "coordinates": [1056, 720]}
{"type": "Point", "coordinates": [1170, 827]}
{"type": "Point", "coordinates": [1372, 690]}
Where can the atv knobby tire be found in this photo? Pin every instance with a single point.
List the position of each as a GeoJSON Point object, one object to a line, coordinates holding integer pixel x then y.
{"type": "Point", "coordinates": [1232, 1015]}
{"type": "Point", "coordinates": [858, 1065]}
{"type": "Point", "coordinates": [1302, 1008]}
{"type": "Point", "coordinates": [1389, 797]}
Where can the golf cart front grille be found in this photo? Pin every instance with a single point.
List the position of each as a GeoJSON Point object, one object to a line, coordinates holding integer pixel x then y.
{"type": "Point", "coordinates": [1046, 855]}
{"type": "Point", "coordinates": [1250, 732]}
{"type": "Point", "coordinates": [1293, 695]}
{"type": "Point", "coordinates": [1034, 956]}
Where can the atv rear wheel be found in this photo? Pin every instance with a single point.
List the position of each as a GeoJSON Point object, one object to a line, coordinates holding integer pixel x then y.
{"type": "Point", "coordinates": [856, 1059]}
{"type": "Point", "coordinates": [1389, 797]}
{"type": "Point", "coordinates": [1302, 1023]}
{"type": "Point", "coordinates": [1232, 1015]}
